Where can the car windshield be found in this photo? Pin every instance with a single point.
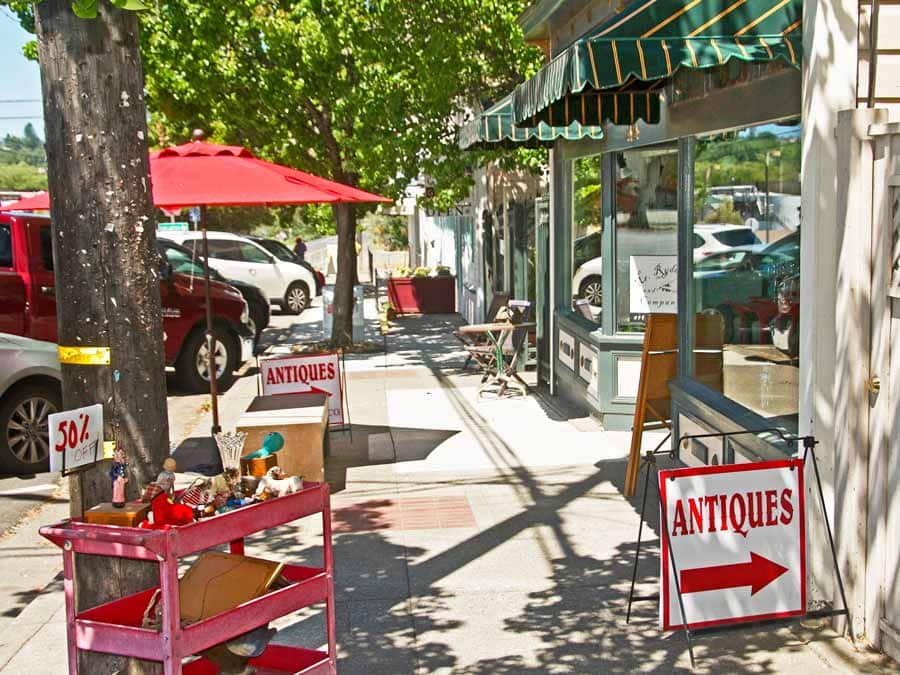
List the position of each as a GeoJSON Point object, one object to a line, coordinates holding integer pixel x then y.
{"type": "Point", "coordinates": [739, 237]}
{"type": "Point", "coordinates": [277, 249]}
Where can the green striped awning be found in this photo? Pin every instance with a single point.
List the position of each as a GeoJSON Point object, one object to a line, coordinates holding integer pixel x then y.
{"type": "Point", "coordinates": [642, 45]}
{"type": "Point", "coordinates": [495, 128]}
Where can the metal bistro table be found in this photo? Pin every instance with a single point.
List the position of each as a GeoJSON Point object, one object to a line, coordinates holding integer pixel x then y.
{"type": "Point", "coordinates": [504, 374]}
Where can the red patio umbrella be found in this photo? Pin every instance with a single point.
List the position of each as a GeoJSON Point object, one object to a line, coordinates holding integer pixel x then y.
{"type": "Point", "coordinates": [206, 174]}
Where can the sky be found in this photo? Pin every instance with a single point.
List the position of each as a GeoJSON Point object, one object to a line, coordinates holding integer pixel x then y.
{"type": "Point", "coordinates": [21, 79]}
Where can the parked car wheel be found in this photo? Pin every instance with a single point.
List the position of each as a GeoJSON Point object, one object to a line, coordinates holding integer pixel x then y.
{"type": "Point", "coordinates": [592, 290]}
{"type": "Point", "coordinates": [297, 297]}
{"type": "Point", "coordinates": [24, 430]}
{"type": "Point", "coordinates": [258, 320]}
{"type": "Point", "coordinates": [192, 367]}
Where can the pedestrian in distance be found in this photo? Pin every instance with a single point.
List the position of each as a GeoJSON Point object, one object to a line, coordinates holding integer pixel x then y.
{"type": "Point", "coordinates": [300, 249]}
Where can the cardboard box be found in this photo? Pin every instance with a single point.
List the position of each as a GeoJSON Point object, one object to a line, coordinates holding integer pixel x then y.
{"type": "Point", "coordinates": [303, 421]}
{"type": "Point", "coordinates": [107, 514]}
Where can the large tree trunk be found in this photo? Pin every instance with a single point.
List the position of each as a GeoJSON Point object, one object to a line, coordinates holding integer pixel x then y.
{"type": "Point", "coordinates": [107, 286]}
{"type": "Point", "coordinates": [342, 328]}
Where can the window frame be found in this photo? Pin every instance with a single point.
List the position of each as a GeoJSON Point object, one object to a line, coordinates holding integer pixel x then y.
{"type": "Point", "coordinates": [12, 255]}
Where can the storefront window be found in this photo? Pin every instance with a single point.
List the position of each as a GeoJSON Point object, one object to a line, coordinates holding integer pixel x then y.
{"type": "Point", "coordinates": [746, 266]}
{"type": "Point", "coordinates": [646, 236]}
{"type": "Point", "coordinates": [587, 232]}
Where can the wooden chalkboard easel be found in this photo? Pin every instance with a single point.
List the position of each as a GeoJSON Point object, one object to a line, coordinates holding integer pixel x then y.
{"type": "Point", "coordinates": [659, 365]}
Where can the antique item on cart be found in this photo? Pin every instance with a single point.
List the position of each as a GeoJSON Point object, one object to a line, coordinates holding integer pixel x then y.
{"type": "Point", "coordinates": [276, 484]}
{"type": "Point", "coordinates": [166, 477]}
{"type": "Point", "coordinates": [249, 485]}
{"type": "Point", "coordinates": [128, 515]}
{"type": "Point", "coordinates": [197, 495]}
{"type": "Point", "coordinates": [218, 581]}
{"type": "Point", "coordinates": [259, 462]}
{"type": "Point", "coordinates": [272, 443]}
{"type": "Point", "coordinates": [231, 447]}
{"type": "Point", "coordinates": [118, 475]}
{"type": "Point", "coordinates": [166, 513]}
{"type": "Point", "coordinates": [226, 483]}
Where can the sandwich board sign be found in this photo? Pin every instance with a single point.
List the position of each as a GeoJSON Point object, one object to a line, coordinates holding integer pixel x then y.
{"type": "Point", "coordinates": [303, 373]}
{"type": "Point", "coordinates": [736, 533]}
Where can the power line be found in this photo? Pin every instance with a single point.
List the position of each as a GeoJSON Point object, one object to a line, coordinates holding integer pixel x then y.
{"type": "Point", "coordinates": [20, 100]}
{"type": "Point", "coordinates": [24, 117]}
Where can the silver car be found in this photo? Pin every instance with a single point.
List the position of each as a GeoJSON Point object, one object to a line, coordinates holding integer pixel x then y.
{"type": "Point", "coordinates": [30, 390]}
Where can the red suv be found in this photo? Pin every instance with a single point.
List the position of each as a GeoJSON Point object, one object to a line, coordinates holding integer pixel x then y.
{"type": "Point", "coordinates": [28, 305]}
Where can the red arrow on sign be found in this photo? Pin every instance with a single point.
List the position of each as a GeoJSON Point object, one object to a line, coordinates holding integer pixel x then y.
{"type": "Point", "coordinates": [758, 573]}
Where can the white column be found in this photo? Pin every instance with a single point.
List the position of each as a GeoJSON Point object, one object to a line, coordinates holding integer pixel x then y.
{"type": "Point", "coordinates": [830, 29]}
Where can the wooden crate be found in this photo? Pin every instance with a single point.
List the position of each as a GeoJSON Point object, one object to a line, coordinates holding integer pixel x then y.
{"type": "Point", "coordinates": [128, 516]}
{"type": "Point", "coordinates": [258, 467]}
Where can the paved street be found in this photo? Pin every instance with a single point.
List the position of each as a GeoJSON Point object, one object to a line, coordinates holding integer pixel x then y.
{"type": "Point", "coordinates": [471, 535]}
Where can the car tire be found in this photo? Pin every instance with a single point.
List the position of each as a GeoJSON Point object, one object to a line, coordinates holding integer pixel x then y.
{"type": "Point", "coordinates": [28, 404]}
{"type": "Point", "coordinates": [189, 369]}
{"type": "Point", "coordinates": [257, 320]}
{"type": "Point", "coordinates": [297, 298]}
{"type": "Point", "coordinates": [592, 290]}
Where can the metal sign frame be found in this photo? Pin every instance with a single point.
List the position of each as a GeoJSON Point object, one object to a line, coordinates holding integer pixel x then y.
{"type": "Point", "coordinates": [649, 464]}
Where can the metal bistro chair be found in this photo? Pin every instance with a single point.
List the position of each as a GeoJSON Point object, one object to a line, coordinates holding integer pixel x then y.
{"type": "Point", "coordinates": [505, 374]}
{"type": "Point", "coordinates": [469, 340]}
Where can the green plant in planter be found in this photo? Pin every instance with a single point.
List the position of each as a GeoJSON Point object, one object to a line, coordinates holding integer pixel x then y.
{"type": "Point", "coordinates": [402, 271]}
{"type": "Point", "coordinates": [442, 271]}
{"type": "Point", "coordinates": [422, 272]}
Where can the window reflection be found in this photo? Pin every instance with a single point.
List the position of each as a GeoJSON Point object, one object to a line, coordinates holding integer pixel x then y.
{"type": "Point", "coordinates": [646, 236]}
{"type": "Point", "coordinates": [587, 233]}
{"type": "Point", "coordinates": [746, 240]}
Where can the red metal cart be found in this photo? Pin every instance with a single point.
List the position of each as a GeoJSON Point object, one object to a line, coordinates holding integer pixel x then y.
{"type": "Point", "coordinates": [115, 627]}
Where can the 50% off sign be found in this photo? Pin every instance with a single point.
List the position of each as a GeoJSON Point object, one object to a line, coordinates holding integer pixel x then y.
{"type": "Point", "coordinates": [76, 437]}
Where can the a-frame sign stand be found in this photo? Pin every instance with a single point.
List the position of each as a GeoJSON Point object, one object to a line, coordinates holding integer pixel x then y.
{"type": "Point", "coordinates": [650, 467]}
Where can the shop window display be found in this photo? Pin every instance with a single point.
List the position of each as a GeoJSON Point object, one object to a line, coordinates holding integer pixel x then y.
{"type": "Point", "coordinates": [646, 235]}
{"type": "Point", "coordinates": [587, 234]}
{"type": "Point", "coordinates": [746, 261]}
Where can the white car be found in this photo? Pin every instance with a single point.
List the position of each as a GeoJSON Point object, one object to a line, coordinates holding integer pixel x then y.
{"type": "Point", "coordinates": [30, 390]}
{"type": "Point", "coordinates": [286, 284]}
{"type": "Point", "coordinates": [715, 238]}
{"type": "Point", "coordinates": [587, 282]}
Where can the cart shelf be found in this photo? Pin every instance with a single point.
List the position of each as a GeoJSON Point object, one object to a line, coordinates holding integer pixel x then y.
{"type": "Point", "coordinates": [115, 627]}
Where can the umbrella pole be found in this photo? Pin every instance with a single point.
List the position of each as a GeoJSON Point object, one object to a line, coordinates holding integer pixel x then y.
{"type": "Point", "coordinates": [210, 335]}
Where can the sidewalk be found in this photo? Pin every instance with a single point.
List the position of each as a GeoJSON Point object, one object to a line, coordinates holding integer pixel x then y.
{"type": "Point", "coordinates": [478, 536]}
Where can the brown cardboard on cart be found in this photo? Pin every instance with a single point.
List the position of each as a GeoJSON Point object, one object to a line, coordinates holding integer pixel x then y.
{"type": "Point", "coordinates": [258, 467]}
{"type": "Point", "coordinates": [218, 581]}
{"type": "Point", "coordinates": [303, 421]}
{"type": "Point", "coordinates": [128, 516]}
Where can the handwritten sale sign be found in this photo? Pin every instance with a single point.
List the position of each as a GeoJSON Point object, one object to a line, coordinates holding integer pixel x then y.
{"type": "Point", "coordinates": [76, 438]}
{"type": "Point", "coordinates": [736, 535]}
{"type": "Point", "coordinates": [654, 284]}
{"type": "Point", "coordinates": [306, 373]}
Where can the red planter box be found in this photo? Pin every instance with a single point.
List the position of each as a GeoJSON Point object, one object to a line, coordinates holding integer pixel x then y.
{"type": "Point", "coordinates": [422, 295]}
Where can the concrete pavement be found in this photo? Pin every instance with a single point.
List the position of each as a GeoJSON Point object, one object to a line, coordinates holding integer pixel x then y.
{"type": "Point", "coordinates": [479, 536]}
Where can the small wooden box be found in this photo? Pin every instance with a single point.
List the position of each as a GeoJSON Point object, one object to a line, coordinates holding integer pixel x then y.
{"type": "Point", "coordinates": [258, 467]}
{"type": "Point", "coordinates": [128, 516]}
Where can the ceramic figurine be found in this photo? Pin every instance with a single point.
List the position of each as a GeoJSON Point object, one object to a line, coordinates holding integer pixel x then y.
{"type": "Point", "coordinates": [275, 484]}
{"type": "Point", "coordinates": [166, 477]}
{"type": "Point", "coordinates": [117, 474]}
{"type": "Point", "coordinates": [227, 483]}
{"type": "Point", "coordinates": [272, 443]}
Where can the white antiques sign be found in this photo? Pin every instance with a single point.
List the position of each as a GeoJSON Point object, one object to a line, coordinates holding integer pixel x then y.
{"type": "Point", "coordinates": [736, 534]}
{"type": "Point", "coordinates": [76, 438]}
{"type": "Point", "coordinates": [654, 284]}
{"type": "Point", "coordinates": [320, 372]}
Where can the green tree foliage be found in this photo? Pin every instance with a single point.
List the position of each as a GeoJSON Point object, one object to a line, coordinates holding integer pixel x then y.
{"type": "Point", "coordinates": [22, 177]}
{"type": "Point", "coordinates": [390, 233]}
{"type": "Point", "coordinates": [362, 92]}
{"type": "Point", "coordinates": [26, 149]}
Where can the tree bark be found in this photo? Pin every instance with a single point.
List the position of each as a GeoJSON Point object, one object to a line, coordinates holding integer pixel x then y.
{"type": "Point", "coordinates": [342, 326]}
{"type": "Point", "coordinates": [104, 245]}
